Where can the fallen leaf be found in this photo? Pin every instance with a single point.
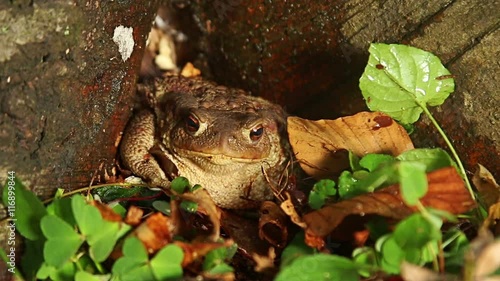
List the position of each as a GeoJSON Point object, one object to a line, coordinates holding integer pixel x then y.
{"type": "Point", "coordinates": [245, 233]}
{"type": "Point", "coordinates": [446, 192]}
{"type": "Point", "coordinates": [264, 262]}
{"type": "Point", "coordinates": [493, 220]}
{"type": "Point", "coordinates": [481, 258]}
{"type": "Point", "coordinates": [273, 224]}
{"type": "Point", "coordinates": [320, 146]}
{"type": "Point", "coordinates": [411, 272]}
{"type": "Point", "coordinates": [134, 215]}
{"type": "Point", "coordinates": [487, 186]}
{"type": "Point", "coordinates": [154, 233]}
{"type": "Point", "coordinates": [106, 211]}
{"type": "Point", "coordinates": [289, 209]}
{"type": "Point", "coordinates": [194, 251]}
{"type": "Point", "coordinates": [206, 206]}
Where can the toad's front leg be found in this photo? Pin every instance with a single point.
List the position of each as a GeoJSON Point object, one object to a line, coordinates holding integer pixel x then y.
{"type": "Point", "coordinates": [135, 149]}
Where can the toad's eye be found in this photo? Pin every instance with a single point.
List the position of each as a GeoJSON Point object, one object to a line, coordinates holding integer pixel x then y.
{"type": "Point", "coordinates": [256, 132]}
{"type": "Point", "coordinates": [192, 123]}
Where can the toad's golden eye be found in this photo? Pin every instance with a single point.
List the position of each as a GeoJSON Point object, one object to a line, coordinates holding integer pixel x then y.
{"type": "Point", "coordinates": [256, 133]}
{"type": "Point", "coordinates": [192, 123]}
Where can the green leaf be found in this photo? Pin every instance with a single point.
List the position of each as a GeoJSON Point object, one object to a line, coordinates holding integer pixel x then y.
{"type": "Point", "coordinates": [221, 268]}
{"type": "Point", "coordinates": [347, 185]}
{"type": "Point", "coordinates": [383, 176]}
{"type": "Point", "coordinates": [61, 207]}
{"type": "Point", "coordinates": [316, 200]}
{"type": "Point", "coordinates": [372, 161]}
{"type": "Point", "coordinates": [399, 80]}
{"type": "Point", "coordinates": [85, 276]}
{"type": "Point", "coordinates": [162, 206]}
{"type": "Point", "coordinates": [62, 240]}
{"type": "Point", "coordinates": [354, 161]}
{"type": "Point", "coordinates": [432, 158]}
{"type": "Point", "coordinates": [322, 191]}
{"type": "Point", "coordinates": [325, 187]}
{"type": "Point", "coordinates": [134, 263]}
{"type": "Point", "coordinates": [23, 205]}
{"type": "Point", "coordinates": [189, 206]}
{"type": "Point", "coordinates": [366, 256]}
{"type": "Point", "coordinates": [455, 244]}
{"type": "Point", "coordinates": [64, 273]}
{"type": "Point", "coordinates": [167, 263]}
{"type": "Point", "coordinates": [180, 184]}
{"type": "Point", "coordinates": [413, 181]}
{"type": "Point", "coordinates": [320, 267]}
{"type": "Point", "coordinates": [218, 256]}
{"type": "Point", "coordinates": [101, 235]}
{"type": "Point", "coordinates": [392, 254]}
{"type": "Point", "coordinates": [32, 260]}
{"type": "Point", "coordinates": [416, 232]}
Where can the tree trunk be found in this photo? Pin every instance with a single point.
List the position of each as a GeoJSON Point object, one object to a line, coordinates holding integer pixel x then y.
{"type": "Point", "coordinates": [67, 79]}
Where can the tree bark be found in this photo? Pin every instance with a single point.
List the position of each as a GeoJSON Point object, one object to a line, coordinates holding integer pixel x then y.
{"type": "Point", "coordinates": [66, 83]}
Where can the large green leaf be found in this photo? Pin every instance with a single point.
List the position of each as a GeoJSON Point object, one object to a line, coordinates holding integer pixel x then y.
{"type": "Point", "coordinates": [320, 267]}
{"type": "Point", "coordinates": [24, 206]}
{"type": "Point", "coordinates": [399, 80]}
{"type": "Point", "coordinates": [100, 234]}
{"type": "Point", "coordinates": [62, 240]}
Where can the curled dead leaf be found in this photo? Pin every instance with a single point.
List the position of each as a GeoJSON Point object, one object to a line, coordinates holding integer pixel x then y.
{"type": "Point", "coordinates": [106, 211]}
{"type": "Point", "coordinates": [154, 233]}
{"type": "Point", "coordinates": [207, 206]}
{"type": "Point", "coordinates": [493, 220]}
{"type": "Point", "coordinates": [320, 146]}
{"type": "Point", "coordinates": [487, 186]}
{"type": "Point", "coordinates": [446, 191]}
{"type": "Point", "coordinates": [273, 224]}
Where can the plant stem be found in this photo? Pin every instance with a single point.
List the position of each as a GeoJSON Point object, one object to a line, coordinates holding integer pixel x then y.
{"type": "Point", "coordinates": [452, 149]}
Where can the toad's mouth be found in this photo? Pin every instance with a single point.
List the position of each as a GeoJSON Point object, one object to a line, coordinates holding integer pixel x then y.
{"type": "Point", "coordinates": [221, 158]}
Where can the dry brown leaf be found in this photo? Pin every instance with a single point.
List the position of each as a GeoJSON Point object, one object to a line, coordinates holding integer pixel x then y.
{"type": "Point", "coordinates": [194, 251]}
{"type": "Point", "coordinates": [106, 211]}
{"type": "Point", "coordinates": [245, 233]}
{"type": "Point", "coordinates": [493, 220]}
{"type": "Point", "coordinates": [264, 262]}
{"type": "Point", "coordinates": [411, 272]}
{"type": "Point", "coordinates": [154, 233]}
{"type": "Point", "coordinates": [446, 191]}
{"type": "Point", "coordinates": [273, 224]}
{"type": "Point", "coordinates": [320, 146]}
{"type": "Point", "coordinates": [134, 215]}
{"type": "Point", "coordinates": [488, 261]}
{"type": "Point", "coordinates": [289, 209]}
{"type": "Point", "coordinates": [481, 258]}
{"type": "Point", "coordinates": [487, 186]}
{"type": "Point", "coordinates": [206, 206]}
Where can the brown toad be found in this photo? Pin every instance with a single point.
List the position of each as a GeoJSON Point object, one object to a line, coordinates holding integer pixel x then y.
{"type": "Point", "coordinates": [218, 137]}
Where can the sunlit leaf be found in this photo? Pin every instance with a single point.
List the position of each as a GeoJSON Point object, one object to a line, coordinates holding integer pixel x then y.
{"type": "Point", "coordinates": [399, 80]}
